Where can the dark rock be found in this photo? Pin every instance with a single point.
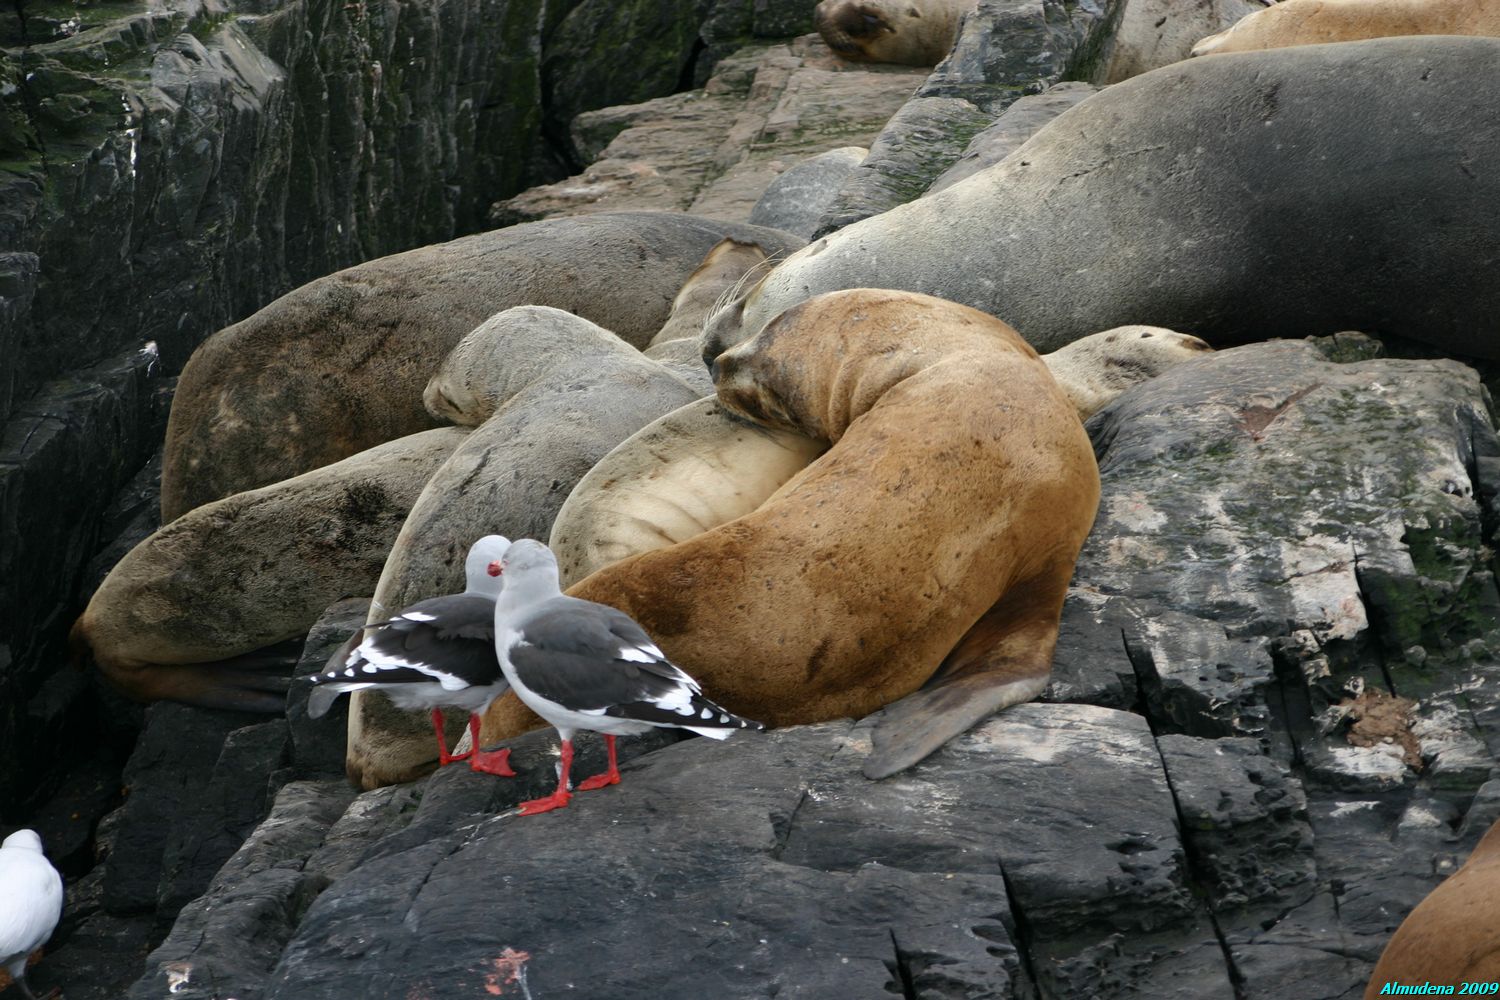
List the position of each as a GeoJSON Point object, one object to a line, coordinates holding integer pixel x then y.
{"type": "Point", "coordinates": [1196, 679]}
{"type": "Point", "coordinates": [18, 273]}
{"type": "Point", "coordinates": [818, 882]}
{"type": "Point", "coordinates": [63, 456]}
{"type": "Point", "coordinates": [608, 52]}
{"type": "Point", "coordinates": [1090, 665]}
{"type": "Point", "coordinates": [1017, 124]}
{"type": "Point", "coordinates": [96, 958]}
{"type": "Point", "coordinates": [781, 18]}
{"type": "Point", "coordinates": [226, 941]}
{"type": "Point", "coordinates": [797, 199]}
{"type": "Point", "coordinates": [67, 820]}
{"type": "Point", "coordinates": [1366, 478]}
{"type": "Point", "coordinates": [1007, 49]}
{"type": "Point", "coordinates": [236, 798]}
{"type": "Point", "coordinates": [916, 145]}
{"type": "Point", "coordinates": [1244, 820]}
{"type": "Point", "coordinates": [166, 779]}
{"type": "Point", "coordinates": [318, 744]}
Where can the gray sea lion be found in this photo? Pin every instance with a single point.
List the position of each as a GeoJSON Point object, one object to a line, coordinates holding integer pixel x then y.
{"type": "Point", "coordinates": [236, 575]}
{"type": "Point", "coordinates": [555, 394]}
{"type": "Point", "coordinates": [1187, 198]}
{"type": "Point", "coordinates": [931, 543]}
{"type": "Point", "coordinates": [1315, 22]}
{"type": "Point", "coordinates": [699, 467]}
{"type": "Point", "coordinates": [908, 32]}
{"type": "Point", "coordinates": [339, 364]}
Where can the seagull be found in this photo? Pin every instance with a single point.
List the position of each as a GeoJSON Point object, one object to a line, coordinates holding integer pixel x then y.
{"type": "Point", "coordinates": [582, 665]}
{"type": "Point", "coordinates": [31, 901]}
{"type": "Point", "coordinates": [438, 652]}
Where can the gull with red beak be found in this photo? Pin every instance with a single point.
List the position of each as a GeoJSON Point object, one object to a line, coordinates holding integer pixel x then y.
{"type": "Point", "coordinates": [582, 665]}
{"type": "Point", "coordinates": [436, 654]}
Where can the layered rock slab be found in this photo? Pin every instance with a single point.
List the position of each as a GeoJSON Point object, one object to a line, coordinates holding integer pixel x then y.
{"type": "Point", "coordinates": [714, 151]}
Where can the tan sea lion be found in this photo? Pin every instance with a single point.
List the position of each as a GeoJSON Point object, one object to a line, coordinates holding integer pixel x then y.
{"type": "Point", "coordinates": [1095, 370]}
{"type": "Point", "coordinates": [699, 467]}
{"type": "Point", "coordinates": [236, 575]}
{"type": "Point", "coordinates": [924, 523]}
{"type": "Point", "coordinates": [1315, 22]}
{"type": "Point", "coordinates": [1450, 937]}
{"type": "Point", "coordinates": [554, 393]}
{"type": "Point", "coordinates": [339, 364]}
{"type": "Point", "coordinates": [907, 32]}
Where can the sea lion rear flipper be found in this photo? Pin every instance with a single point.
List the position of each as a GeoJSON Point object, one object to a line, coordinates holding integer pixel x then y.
{"type": "Point", "coordinates": [910, 729]}
{"type": "Point", "coordinates": [1004, 659]}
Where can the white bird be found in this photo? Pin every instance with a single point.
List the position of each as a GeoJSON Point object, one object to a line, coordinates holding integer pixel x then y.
{"type": "Point", "coordinates": [31, 901]}
{"type": "Point", "coordinates": [438, 652]}
{"type": "Point", "coordinates": [582, 665]}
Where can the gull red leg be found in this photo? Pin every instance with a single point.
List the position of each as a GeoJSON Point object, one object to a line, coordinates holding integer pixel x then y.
{"type": "Point", "coordinates": [488, 761]}
{"type": "Point", "coordinates": [611, 776]}
{"type": "Point", "coordinates": [559, 798]}
{"type": "Point", "coordinates": [437, 727]}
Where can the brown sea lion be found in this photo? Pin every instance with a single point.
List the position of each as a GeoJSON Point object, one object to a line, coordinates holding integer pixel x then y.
{"type": "Point", "coordinates": [175, 616]}
{"type": "Point", "coordinates": [932, 543]}
{"type": "Point", "coordinates": [1314, 22]}
{"type": "Point", "coordinates": [1450, 938]}
{"type": "Point", "coordinates": [699, 467]}
{"type": "Point", "coordinates": [339, 364]}
{"type": "Point", "coordinates": [907, 32]}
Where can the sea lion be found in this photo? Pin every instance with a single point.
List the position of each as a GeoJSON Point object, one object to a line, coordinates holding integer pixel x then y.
{"type": "Point", "coordinates": [925, 522]}
{"type": "Point", "coordinates": [1195, 208]}
{"type": "Point", "coordinates": [1314, 22]}
{"type": "Point", "coordinates": [908, 32]}
{"type": "Point", "coordinates": [554, 393]}
{"type": "Point", "coordinates": [699, 467]}
{"type": "Point", "coordinates": [238, 574]}
{"type": "Point", "coordinates": [339, 364]}
{"type": "Point", "coordinates": [723, 268]}
{"type": "Point", "coordinates": [1450, 937]}
{"type": "Point", "coordinates": [1095, 370]}
{"type": "Point", "coordinates": [683, 474]}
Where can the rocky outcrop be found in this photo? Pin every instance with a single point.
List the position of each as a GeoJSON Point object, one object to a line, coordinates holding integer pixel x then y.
{"type": "Point", "coordinates": [797, 199]}
{"type": "Point", "coordinates": [714, 151]}
{"type": "Point", "coordinates": [1220, 796]}
{"type": "Point", "coordinates": [168, 169]}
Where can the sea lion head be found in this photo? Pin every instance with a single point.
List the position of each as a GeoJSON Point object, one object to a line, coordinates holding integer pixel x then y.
{"type": "Point", "coordinates": [817, 366]}
{"type": "Point", "coordinates": [507, 352]}
{"type": "Point", "coordinates": [1095, 369]}
{"type": "Point", "coordinates": [849, 27]}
